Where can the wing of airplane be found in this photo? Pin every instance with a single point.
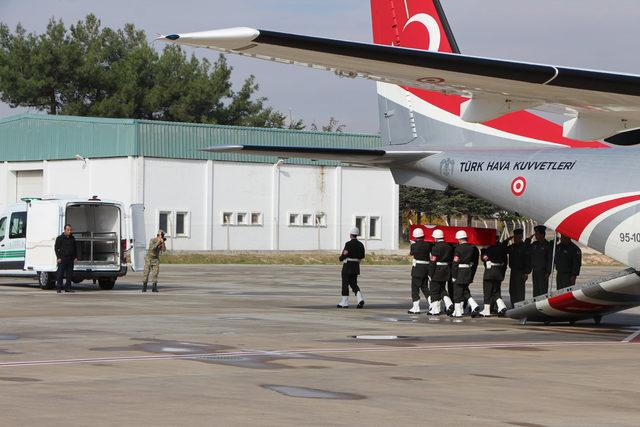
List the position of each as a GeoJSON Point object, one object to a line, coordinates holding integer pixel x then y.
{"type": "Point", "coordinates": [369, 157]}
{"type": "Point", "coordinates": [603, 104]}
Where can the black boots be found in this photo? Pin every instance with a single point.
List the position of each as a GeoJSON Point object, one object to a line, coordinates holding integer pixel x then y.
{"type": "Point", "coordinates": [154, 287]}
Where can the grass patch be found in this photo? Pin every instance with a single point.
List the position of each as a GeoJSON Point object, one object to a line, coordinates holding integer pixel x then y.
{"type": "Point", "coordinates": [295, 258]}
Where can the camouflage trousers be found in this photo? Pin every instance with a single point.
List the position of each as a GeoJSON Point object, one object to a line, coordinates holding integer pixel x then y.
{"type": "Point", "coordinates": [151, 266]}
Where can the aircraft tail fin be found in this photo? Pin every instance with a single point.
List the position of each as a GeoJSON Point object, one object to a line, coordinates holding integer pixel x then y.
{"type": "Point", "coordinates": [403, 23]}
{"type": "Point", "coordinates": [417, 24]}
{"type": "Point", "coordinates": [440, 121]}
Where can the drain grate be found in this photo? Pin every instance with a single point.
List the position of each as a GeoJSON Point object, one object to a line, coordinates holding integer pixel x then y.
{"type": "Point", "coordinates": [219, 358]}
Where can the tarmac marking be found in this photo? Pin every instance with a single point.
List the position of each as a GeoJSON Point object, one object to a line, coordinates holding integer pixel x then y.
{"type": "Point", "coordinates": [302, 352]}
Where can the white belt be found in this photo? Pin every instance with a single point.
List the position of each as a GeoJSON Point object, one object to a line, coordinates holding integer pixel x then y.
{"type": "Point", "coordinates": [346, 260]}
{"type": "Point", "coordinates": [491, 264]}
{"type": "Point", "coordinates": [465, 265]}
{"type": "Point", "coordinates": [442, 263]}
{"type": "Point", "coordinates": [418, 261]}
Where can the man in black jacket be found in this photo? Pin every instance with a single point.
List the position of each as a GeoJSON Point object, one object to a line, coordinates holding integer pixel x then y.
{"type": "Point", "coordinates": [351, 256]}
{"type": "Point", "coordinates": [439, 274]}
{"type": "Point", "coordinates": [463, 270]}
{"type": "Point", "coordinates": [568, 262]}
{"type": "Point", "coordinates": [519, 263]}
{"type": "Point", "coordinates": [495, 266]}
{"type": "Point", "coordinates": [66, 255]}
{"type": "Point", "coordinates": [420, 251]}
{"type": "Point", "coordinates": [541, 256]}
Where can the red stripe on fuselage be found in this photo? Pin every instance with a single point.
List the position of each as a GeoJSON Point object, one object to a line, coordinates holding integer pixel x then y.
{"type": "Point", "coordinates": [569, 304]}
{"type": "Point", "coordinates": [519, 123]}
{"type": "Point", "coordinates": [574, 224]}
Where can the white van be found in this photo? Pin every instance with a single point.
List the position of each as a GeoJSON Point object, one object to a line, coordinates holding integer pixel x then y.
{"type": "Point", "coordinates": [107, 234]}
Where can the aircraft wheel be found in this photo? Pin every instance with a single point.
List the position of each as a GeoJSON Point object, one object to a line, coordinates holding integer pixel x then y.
{"type": "Point", "coordinates": [572, 322]}
{"type": "Point", "coordinates": [597, 319]}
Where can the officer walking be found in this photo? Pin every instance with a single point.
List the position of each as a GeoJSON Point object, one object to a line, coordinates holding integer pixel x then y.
{"type": "Point", "coordinates": [420, 250]}
{"type": "Point", "coordinates": [439, 274]}
{"type": "Point", "coordinates": [152, 261]}
{"type": "Point", "coordinates": [463, 270]}
{"type": "Point", "coordinates": [520, 265]}
{"type": "Point", "coordinates": [495, 265]}
{"type": "Point", "coordinates": [568, 262]}
{"type": "Point", "coordinates": [351, 256]}
{"type": "Point", "coordinates": [541, 252]}
{"type": "Point", "coordinates": [66, 254]}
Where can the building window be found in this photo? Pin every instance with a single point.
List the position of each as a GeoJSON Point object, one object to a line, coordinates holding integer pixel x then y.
{"type": "Point", "coordinates": [360, 221]}
{"type": "Point", "coordinates": [321, 220]}
{"type": "Point", "coordinates": [163, 222]}
{"type": "Point", "coordinates": [256, 218]}
{"type": "Point", "coordinates": [241, 218]}
{"type": "Point", "coordinates": [182, 224]}
{"type": "Point", "coordinates": [307, 220]}
{"type": "Point", "coordinates": [18, 225]}
{"type": "Point", "coordinates": [374, 227]}
{"type": "Point", "coordinates": [227, 218]}
{"type": "Point", "coordinates": [294, 219]}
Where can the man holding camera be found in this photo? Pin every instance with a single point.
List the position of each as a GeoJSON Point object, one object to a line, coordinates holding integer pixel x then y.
{"type": "Point", "coordinates": [152, 261]}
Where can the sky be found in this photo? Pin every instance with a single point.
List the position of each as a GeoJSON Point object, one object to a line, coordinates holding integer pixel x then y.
{"type": "Point", "coordinates": [580, 33]}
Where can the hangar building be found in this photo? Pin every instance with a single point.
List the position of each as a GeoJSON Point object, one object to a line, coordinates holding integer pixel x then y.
{"type": "Point", "coordinates": [205, 201]}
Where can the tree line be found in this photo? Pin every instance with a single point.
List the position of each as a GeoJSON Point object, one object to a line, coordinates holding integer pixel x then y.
{"type": "Point", "coordinates": [91, 70]}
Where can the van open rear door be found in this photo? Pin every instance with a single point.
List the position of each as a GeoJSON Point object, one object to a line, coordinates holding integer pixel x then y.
{"type": "Point", "coordinates": [138, 237]}
{"type": "Point", "coordinates": [43, 226]}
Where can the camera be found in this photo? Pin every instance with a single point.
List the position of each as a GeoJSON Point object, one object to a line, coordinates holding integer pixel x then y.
{"type": "Point", "coordinates": [162, 235]}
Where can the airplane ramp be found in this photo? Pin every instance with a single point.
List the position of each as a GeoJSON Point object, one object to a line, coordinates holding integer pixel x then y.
{"type": "Point", "coordinates": [616, 292]}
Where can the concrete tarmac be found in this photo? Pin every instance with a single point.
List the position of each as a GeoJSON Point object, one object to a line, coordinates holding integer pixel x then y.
{"type": "Point", "coordinates": [265, 345]}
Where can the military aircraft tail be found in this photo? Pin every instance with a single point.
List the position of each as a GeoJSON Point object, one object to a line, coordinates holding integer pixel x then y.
{"type": "Point", "coordinates": [431, 119]}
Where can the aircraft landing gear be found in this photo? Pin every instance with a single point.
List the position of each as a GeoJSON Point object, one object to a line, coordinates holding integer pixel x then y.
{"type": "Point", "coordinates": [597, 319]}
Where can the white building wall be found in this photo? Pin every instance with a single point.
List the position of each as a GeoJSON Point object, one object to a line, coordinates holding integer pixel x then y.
{"type": "Point", "coordinates": [307, 191]}
{"type": "Point", "coordinates": [206, 189]}
{"type": "Point", "coordinates": [173, 186]}
{"type": "Point", "coordinates": [242, 188]}
{"type": "Point", "coordinates": [370, 193]}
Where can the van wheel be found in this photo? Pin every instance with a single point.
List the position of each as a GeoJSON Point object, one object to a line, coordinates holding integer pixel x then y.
{"type": "Point", "coordinates": [46, 280]}
{"type": "Point", "coordinates": [106, 284]}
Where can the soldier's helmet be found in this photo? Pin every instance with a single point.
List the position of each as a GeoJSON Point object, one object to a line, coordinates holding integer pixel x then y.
{"type": "Point", "coordinates": [354, 231]}
{"type": "Point", "coordinates": [417, 233]}
{"type": "Point", "coordinates": [461, 234]}
{"type": "Point", "coordinates": [437, 234]}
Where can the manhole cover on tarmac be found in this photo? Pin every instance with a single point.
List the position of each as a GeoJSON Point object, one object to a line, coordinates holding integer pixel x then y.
{"type": "Point", "coordinates": [311, 393]}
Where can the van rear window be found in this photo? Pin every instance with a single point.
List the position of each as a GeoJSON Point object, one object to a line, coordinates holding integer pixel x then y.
{"type": "Point", "coordinates": [18, 225]}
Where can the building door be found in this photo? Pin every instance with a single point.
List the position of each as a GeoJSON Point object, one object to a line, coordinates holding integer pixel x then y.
{"type": "Point", "coordinates": [28, 184]}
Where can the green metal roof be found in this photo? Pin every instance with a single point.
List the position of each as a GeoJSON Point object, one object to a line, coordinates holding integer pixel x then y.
{"type": "Point", "coordinates": [45, 137]}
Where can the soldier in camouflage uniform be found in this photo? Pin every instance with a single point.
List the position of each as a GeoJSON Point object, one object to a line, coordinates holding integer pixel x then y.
{"type": "Point", "coordinates": [152, 261]}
